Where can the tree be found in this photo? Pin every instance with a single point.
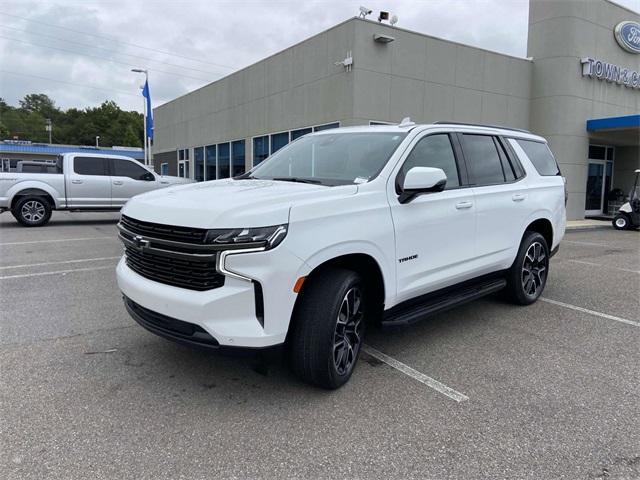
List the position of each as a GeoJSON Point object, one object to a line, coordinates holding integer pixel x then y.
{"type": "Point", "coordinates": [73, 126]}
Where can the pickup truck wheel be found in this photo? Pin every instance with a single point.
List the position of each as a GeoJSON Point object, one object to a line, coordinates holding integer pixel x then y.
{"type": "Point", "coordinates": [527, 276]}
{"type": "Point", "coordinates": [328, 328]}
{"type": "Point", "coordinates": [32, 211]}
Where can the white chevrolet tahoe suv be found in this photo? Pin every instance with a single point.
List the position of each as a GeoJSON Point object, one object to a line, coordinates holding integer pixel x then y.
{"type": "Point", "coordinates": [340, 228]}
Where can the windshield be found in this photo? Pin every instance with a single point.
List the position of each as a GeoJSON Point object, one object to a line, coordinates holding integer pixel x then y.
{"type": "Point", "coordinates": [331, 158]}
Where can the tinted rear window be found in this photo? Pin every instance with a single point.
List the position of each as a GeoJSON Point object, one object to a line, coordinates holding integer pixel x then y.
{"type": "Point", "coordinates": [483, 159]}
{"type": "Point", "coordinates": [540, 156]}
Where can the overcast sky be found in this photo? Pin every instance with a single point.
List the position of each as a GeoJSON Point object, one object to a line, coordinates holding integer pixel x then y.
{"type": "Point", "coordinates": [80, 52]}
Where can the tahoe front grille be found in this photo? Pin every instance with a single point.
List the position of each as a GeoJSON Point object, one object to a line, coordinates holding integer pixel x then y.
{"type": "Point", "coordinates": [175, 256]}
{"type": "Point", "coordinates": [164, 232]}
{"type": "Point", "coordinates": [194, 275]}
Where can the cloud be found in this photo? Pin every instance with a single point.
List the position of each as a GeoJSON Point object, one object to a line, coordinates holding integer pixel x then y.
{"type": "Point", "coordinates": [79, 70]}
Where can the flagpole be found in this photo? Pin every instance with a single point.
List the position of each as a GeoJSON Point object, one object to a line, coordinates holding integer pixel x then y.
{"type": "Point", "coordinates": [144, 113]}
{"type": "Point", "coordinates": [144, 135]}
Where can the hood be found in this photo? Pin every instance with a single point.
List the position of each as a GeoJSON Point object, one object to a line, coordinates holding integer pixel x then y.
{"type": "Point", "coordinates": [228, 203]}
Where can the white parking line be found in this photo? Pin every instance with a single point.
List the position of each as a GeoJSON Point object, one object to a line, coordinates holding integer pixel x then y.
{"type": "Point", "coordinates": [416, 375]}
{"type": "Point", "coordinates": [591, 312]}
{"type": "Point", "coordinates": [7, 277]}
{"type": "Point", "coordinates": [60, 240]}
{"type": "Point", "coordinates": [600, 265]}
{"type": "Point", "coordinates": [26, 265]}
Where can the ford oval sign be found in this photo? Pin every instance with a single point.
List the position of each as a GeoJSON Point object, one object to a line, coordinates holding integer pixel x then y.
{"type": "Point", "coordinates": [628, 36]}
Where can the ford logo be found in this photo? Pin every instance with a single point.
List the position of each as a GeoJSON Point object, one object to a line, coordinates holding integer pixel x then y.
{"type": "Point", "coordinates": [628, 36]}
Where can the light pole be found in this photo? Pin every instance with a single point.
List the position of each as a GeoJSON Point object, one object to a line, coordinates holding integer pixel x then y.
{"type": "Point", "coordinates": [144, 113]}
{"type": "Point", "coordinates": [97, 141]}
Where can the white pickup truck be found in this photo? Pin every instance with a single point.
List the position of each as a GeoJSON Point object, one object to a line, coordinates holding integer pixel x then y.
{"type": "Point", "coordinates": [76, 181]}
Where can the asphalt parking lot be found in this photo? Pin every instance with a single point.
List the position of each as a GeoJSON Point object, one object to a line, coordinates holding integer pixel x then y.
{"type": "Point", "coordinates": [548, 391]}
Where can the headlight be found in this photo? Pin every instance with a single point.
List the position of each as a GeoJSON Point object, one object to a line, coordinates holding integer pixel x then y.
{"type": "Point", "coordinates": [269, 237]}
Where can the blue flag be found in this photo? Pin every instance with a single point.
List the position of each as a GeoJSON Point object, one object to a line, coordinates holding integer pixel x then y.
{"type": "Point", "coordinates": [146, 94]}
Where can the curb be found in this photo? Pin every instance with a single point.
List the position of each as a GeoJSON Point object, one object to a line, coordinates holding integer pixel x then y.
{"type": "Point", "coordinates": [588, 227]}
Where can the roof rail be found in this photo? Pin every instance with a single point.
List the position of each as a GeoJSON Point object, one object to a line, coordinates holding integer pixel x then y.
{"type": "Point", "coordinates": [441, 122]}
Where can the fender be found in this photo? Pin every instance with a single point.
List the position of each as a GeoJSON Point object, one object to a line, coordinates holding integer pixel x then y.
{"type": "Point", "coordinates": [544, 214]}
{"type": "Point", "coordinates": [356, 247]}
{"type": "Point", "coordinates": [28, 184]}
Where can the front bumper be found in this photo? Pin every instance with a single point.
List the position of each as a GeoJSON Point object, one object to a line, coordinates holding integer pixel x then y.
{"type": "Point", "coordinates": [230, 314]}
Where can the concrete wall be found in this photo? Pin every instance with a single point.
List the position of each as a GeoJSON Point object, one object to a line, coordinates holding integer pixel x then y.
{"type": "Point", "coordinates": [295, 88]}
{"type": "Point", "coordinates": [429, 79]}
{"type": "Point", "coordinates": [560, 33]}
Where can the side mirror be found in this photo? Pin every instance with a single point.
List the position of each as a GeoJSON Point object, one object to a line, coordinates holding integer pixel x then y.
{"type": "Point", "coordinates": [420, 180]}
{"type": "Point", "coordinates": [148, 177]}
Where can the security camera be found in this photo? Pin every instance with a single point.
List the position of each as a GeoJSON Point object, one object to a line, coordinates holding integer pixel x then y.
{"type": "Point", "coordinates": [383, 16]}
{"type": "Point", "coordinates": [364, 11]}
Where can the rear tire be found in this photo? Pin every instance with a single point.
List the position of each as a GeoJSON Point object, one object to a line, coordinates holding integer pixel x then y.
{"type": "Point", "coordinates": [528, 275]}
{"type": "Point", "coordinates": [328, 328]}
{"type": "Point", "coordinates": [621, 222]}
{"type": "Point", "coordinates": [32, 211]}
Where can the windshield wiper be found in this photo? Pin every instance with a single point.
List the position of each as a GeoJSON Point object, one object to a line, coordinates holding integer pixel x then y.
{"type": "Point", "coordinates": [298, 179]}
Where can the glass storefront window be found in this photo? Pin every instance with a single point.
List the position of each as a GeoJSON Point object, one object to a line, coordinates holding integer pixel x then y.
{"type": "Point", "coordinates": [279, 140]}
{"type": "Point", "coordinates": [326, 126]}
{"type": "Point", "coordinates": [198, 156]}
{"type": "Point", "coordinates": [298, 133]}
{"type": "Point", "coordinates": [260, 149]}
{"type": "Point", "coordinates": [210, 162]}
{"type": "Point", "coordinates": [237, 158]}
{"type": "Point", "coordinates": [223, 160]}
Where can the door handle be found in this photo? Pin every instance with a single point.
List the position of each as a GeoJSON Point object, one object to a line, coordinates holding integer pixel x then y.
{"type": "Point", "coordinates": [463, 205]}
{"type": "Point", "coordinates": [76, 181]}
{"type": "Point", "coordinates": [117, 182]}
{"type": "Point", "coordinates": [518, 197]}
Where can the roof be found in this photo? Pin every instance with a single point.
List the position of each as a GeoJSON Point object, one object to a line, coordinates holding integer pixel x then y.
{"type": "Point", "coordinates": [51, 149]}
{"type": "Point", "coordinates": [453, 126]}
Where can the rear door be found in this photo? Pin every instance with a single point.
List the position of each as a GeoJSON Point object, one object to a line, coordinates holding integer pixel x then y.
{"type": "Point", "coordinates": [435, 232]}
{"type": "Point", "coordinates": [502, 199]}
{"type": "Point", "coordinates": [129, 178]}
{"type": "Point", "coordinates": [87, 183]}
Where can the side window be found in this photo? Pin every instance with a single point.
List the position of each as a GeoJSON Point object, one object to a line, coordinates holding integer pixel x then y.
{"type": "Point", "coordinates": [483, 160]}
{"type": "Point", "coordinates": [540, 156]}
{"type": "Point", "coordinates": [126, 168]}
{"type": "Point", "coordinates": [434, 151]}
{"type": "Point", "coordinates": [89, 166]}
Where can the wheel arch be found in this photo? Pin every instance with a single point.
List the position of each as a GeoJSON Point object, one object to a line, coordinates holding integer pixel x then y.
{"type": "Point", "coordinates": [33, 188]}
{"type": "Point", "coordinates": [364, 264]}
{"type": "Point", "coordinates": [544, 227]}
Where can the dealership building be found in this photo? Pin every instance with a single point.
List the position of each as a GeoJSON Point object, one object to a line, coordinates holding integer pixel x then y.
{"type": "Point", "coordinates": [579, 87]}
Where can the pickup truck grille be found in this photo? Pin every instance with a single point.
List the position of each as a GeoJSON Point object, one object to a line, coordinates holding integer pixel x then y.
{"type": "Point", "coordinates": [171, 255]}
{"type": "Point", "coordinates": [164, 232]}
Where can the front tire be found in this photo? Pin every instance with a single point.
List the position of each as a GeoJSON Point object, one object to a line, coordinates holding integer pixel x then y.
{"type": "Point", "coordinates": [328, 328]}
{"type": "Point", "coordinates": [620, 222]}
{"type": "Point", "coordinates": [32, 211]}
{"type": "Point", "coordinates": [527, 276]}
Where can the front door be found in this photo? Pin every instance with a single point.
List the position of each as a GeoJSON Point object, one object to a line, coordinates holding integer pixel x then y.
{"type": "Point", "coordinates": [435, 232]}
{"type": "Point", "coordinates": [129, 178]}
{"type": "Point", "coordinates": [599, 181]}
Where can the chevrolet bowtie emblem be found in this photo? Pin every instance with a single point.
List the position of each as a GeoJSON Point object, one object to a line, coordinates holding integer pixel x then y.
{"type": "Point", "coordinates": [140, 243]}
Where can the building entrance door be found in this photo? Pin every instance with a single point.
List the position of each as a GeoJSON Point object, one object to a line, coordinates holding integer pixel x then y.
{"type": "Point", "coordinates": [599, 181]}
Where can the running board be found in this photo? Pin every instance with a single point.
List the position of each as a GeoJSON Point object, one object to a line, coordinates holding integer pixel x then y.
{"type": "Point", "coordinates": [441, 302]}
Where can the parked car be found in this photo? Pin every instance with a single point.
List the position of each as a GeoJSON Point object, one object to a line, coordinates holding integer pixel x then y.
{"type": "Point", "coordinates": [76, 181]}
{"type": "Point", "coordinates": [340, 228]}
